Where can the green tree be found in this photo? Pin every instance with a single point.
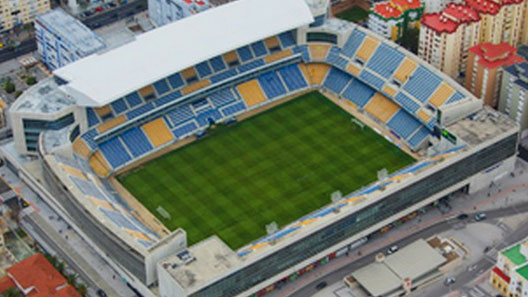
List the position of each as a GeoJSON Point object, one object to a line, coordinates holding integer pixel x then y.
{"type": "Point", "coordinates": [409, 39]}
{"type": "Point", "coordinates": [81, 288]}
{"type": "Point", "coordinates": [18, 93]}
{"type": "Point", "coordinates": [12, 292]}
{"type": "Point", "coordinates": [9, 86]}
{"type": "Point", "coordinates": [31, 80]}
{"type": "Point", "coordinates": [72, 280]}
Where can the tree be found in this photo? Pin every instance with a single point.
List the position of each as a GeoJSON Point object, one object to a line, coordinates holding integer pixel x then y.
{"type": "Point", "coordinates": [31, 80]}
{"type": "Point", "coordinates": [9, 86]}
{"type": "Point", "coordinates": [72, 280]}
{"type": "Point", "coordinates": [81, 288]}
{"type": "Point", "coordinates": [12, 292]}
{"type": "Point", "coordinates": [409, 39]}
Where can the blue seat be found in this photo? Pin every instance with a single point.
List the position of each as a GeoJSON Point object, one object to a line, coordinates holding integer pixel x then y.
{"type": "Point", "coordinates": [136, 142]}
{"type": "Point", "coordinates": [180, 114]}
{"type": "Point", "coordinates": [303, 50]}
{"type": "Point", "coordinates": [218, 63]}
{"type": "Point", "coordinates": [251, 65]}
{"type": "Point", "coordinates": [176, 80]}
{"type": "Point", "coordinates": [203, 118]}
{"type": "Point", "coordinates": [334, 59]}
{"type": "Point", "coordinates": [223, 75]}
{"type": "Point", "coordinates": [372, 80]}
{"type": "Point", "coordinates": [359, 93]}
{"type": "Point", "coordinates": [133, 99]}
{"type": "Point", "coordinates": [234, 108]}
{"type": "Point", "coordinates": [203, 69]}
{"type": "Point", "coordinates": [287, 39]}
{"type": "Point", "coordinates": [419, 137]}
{"type": "Point", "coordinates": [272, 85]}
{"type": "Point", "coordinates": [353, 43]}
{"type": "Point", "coordinates": [259, 48]}
{"type": "Point", "coordinates": [92, 117]}
{"type": "Point", "coordinates": [385, 60]}
{"type": "Point", "coordinates": [222, 97]}
{"type": "Point", "coordinates": [114, 152]}
{"type": "Point", "coordinates": [200, 103]}
{"type": "Point", "coordinates": [140, 110]}
{"type": "Point", "coordinates": [119, 219]}
{"type": "Point", "coordinates": [89, 138]}
{"type": "Point", "coordinates": [185, 129]}
{"type": "Point", "coordinates": [336, 80]}
{"type": "Point", "coordinates": [119, 106]}
{"type": "Point", "coordinates": [406, 102]}
{"type": "Point", "coordinates": [457, 96]}
{"type": "Point", "coordinates": [293, 77]}
{"type": "Point", "coordinates": [88, 188]}
{"type": "Point", "coordinates": [403, 124]}
{"type": "Point", "coordinates": [161, 86]}
{"type": "Point", "coordinates": [422, 83]}
{"type": "Point", "coordinates": [245, 53]}
{"type": "Point", "coordinates": [168, 98]}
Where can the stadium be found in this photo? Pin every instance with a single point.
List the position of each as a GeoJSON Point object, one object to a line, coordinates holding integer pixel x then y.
{"type": "Point", "coordinates": [174, 154]}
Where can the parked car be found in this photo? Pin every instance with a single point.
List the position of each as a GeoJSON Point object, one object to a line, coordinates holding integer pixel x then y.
{"type": "Point", "coordinates": [321, 285]}
{"type": "Point", "coordinates": [449, 281]}
{"type": "Point", "coordinates": [393, 249]}
{"type": "Point", "coordinates": [101, 293]}
{"type": "Point", "coordinates": [480, 217]}
{"type": "Point", "coordinates": [462, 216]}
{"type": "Point", "coordinates": [99, 8]}
{"type": "Point", "coordinates": [112, 4]}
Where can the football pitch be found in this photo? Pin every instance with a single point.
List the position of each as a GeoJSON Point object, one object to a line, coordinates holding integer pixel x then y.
{"type": "Point", "coordinates": [277, 166]}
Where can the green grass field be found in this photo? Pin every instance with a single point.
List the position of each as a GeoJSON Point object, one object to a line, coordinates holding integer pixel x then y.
{"type": "Point", "coordinates": [355, 14]}
{"type": "Point", "coordinates": [277, 166]}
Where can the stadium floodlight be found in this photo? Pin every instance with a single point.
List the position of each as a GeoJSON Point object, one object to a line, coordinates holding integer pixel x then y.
{"type": "Point", "coordinates": [336, 197]}
{"type": "Point", "coordinates": [165, 214]}
{"type": "Point", "coordinates": [383, 175]}
{"type": "Point", "coordinates": [271, 229]}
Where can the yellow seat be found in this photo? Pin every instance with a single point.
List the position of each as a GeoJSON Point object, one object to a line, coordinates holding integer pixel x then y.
{"type": "Point", "coordinates": [147, 92]}
{"type": "Point", "coordinates": [442, 93]}
{"type": "Point", "coordinates": [230, 57]}
{"type": "Point", "coordinates": [251, 93]}
{"type": "Point", "coordinates": [390, 91]}
{"type": "Point", "coordinates": [425, 117]}
{"type": "Point", "coordinates": [367, 48]}
{"type": "Point", "coordinates": [111, 124]}
{"type": "Point", "coordinates": [73, 171]}
{"type": "Point", "coordinates": [382, 107]}
{"type": "Point", "coordinates": [272, 42]}
{"type": "Point", "coordinates": [318, 52]}
{"type": "Point", "coordinates": [278, 56]}
{"type": "Point", "coordinates": [353, 69]}
{"type": "Point", "coordinates": [195, 86]}
{"type": "Point", "coordinates": [405, 70]}
{"type": "Point", "coordinates": [99, 165]}
{"type": "Point", "coordinates": [158, 132]}
{"type": "Point", "coordinates": [80, 147]}
{"type": "Point", "coordinates": [188, 73]}
{"type": "Point", "coordinates": [317, 72]}
{"type": "Point", "coordinates": [101, 111]}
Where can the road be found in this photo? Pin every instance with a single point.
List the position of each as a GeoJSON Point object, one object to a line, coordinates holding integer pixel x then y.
{"type": "Point", "coordinates": [98, 20]}
{"type": "Point", "coordinates": [484, 264]}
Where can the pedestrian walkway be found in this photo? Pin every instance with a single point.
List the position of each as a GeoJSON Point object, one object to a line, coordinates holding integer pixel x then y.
{"type": "Point", "coordinates": [508, 191]}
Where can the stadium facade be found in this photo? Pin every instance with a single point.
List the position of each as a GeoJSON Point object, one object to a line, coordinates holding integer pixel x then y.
{"type": "Point", "coordinates": [110, 112]}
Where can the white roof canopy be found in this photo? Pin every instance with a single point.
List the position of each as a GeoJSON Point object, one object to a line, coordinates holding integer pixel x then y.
{"type": "Point", "coordinates": [99, 79]}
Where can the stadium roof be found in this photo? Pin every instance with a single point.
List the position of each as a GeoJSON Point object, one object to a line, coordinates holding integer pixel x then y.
{"type": "Point", "coordinates": [102, 78]}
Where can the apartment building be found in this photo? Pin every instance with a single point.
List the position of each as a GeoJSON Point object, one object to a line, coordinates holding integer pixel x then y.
{"type": "Point", "coordinates": [162, 12]}
{"type": "Point", "coordinates": [390, 19]}
{"type": "Point", "coordinates": [435, 6]}
{"type": "Point", "coordinates": [484, 69]}
{"type": "Point", "coordinates": [514, 93]}
{"type": "Point", "coordinates": [446, 37]}
{"type": "Point", "coordinates": [501, 20]}
{"type": "Point", "coordinates": [510, 274]}
{"type": "Point", "coordinates": [16, 13]}
{"type": "Point", "coordinates": [62, 39]}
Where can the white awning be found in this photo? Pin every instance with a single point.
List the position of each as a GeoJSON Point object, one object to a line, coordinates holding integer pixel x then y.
{"type": "Point", "coordinates": [102, 78]}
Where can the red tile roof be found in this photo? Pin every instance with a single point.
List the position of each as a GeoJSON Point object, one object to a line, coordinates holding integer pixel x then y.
{"type": "Point", "coordinates": [38, 276]}
{"type": "Point", "coordinates": [408, 4]}
{"type": "Point", "coordinates": [450, 18]}
{"type": "Point", "coordinates": [502, 275]}
{"type": "Point", "coordinates": [387, 11]}
{"type": "Point", "coordinates": [489, 6]}
{"type": "Point", "coordinates": [496, 55]}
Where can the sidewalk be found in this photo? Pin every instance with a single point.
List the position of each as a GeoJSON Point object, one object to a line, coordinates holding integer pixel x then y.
{"type": "Point", "coordinates": [68, 240]}
{"type": "Point", "coordinates": [506, 192]}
